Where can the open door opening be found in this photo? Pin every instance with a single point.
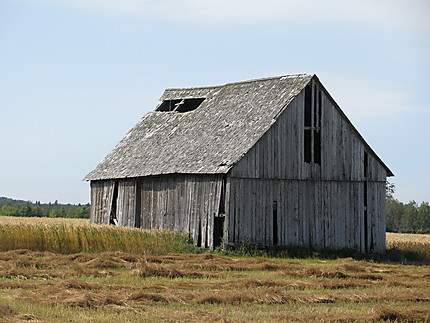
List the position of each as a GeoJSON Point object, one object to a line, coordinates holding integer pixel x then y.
{"type": "Point", "coordinates": [275, 223]}
{"type": "Point", "coordinates": [220, 217]}
{"type": "Point", "coordinates": [218, 230]}
{"type": "Point", "coordinates": [112, 218]}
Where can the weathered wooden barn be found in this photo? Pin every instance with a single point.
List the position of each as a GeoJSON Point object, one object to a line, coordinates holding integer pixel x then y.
{"type": "Point", "coordinates": [272, 161]}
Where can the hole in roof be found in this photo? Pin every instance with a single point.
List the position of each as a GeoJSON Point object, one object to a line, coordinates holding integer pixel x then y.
{"type": "Point", "coordinates": [180, 105]}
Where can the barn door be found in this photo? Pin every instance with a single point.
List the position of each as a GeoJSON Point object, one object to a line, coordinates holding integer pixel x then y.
{"type": "Point", "coordinates": [127, 203]}
{"type": "Point", "coordinates": [102, 201]}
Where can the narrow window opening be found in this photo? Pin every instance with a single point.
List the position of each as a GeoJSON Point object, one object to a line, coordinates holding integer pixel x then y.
{"type": "Point", "coordinates": [366, 164]}
{"type": "Point", "coordinates": [317, 147]}
{"type": "Point", "coordinates": [275, 223]}
{"type": "Point", "coordinates": [319, 110]}
{"type": "Point", "coordinates": [315, 107]}
{"type": "Point", "coordinates": [312, 125]}
{"type": "Point", "coordinates": [308, 146]}
{"type": "Point", "coordinates": [180, 105]}
{"type": "Point", "coordinates": [366, 228]}
{"type": "Point", "coordinates": [308, 106]}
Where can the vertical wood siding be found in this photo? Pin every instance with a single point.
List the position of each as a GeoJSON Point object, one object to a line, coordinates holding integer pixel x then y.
{"type": "Point", "coordinates": [318, 205]}
{"type": "Point", "coordinates": [177, 202]}
{"type": "Point", "coordinates": [101, 201]}
{"type": "Point", "coordinates": [182, 202]}
{"type": "Point", "coordinates": [312, 214]}
{"type": "Point", "coordinates": [126, 203]}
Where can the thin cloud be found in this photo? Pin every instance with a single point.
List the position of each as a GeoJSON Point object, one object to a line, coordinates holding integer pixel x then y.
{"type": "Point", "coordinates": [368, 99]}
{"type": "Point", "coordinates": [410, 15]}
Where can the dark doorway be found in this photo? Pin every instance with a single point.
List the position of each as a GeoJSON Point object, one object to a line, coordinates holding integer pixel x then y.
{"type": "Point", "coordinates": [112, 216]}
{"type": "Point", "coordinates": [218, 230]}
{"type": "Point", "coordinates": [275, 223]}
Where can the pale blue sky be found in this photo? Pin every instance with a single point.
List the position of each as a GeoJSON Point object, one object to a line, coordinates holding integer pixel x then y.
{"type": "Point", "coordinates": [75, 76]}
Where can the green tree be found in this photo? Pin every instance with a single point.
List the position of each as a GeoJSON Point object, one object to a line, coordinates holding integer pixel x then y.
{"type": "Point", "coordinates": [26, 210]}
{"type": "Point", "coordinates": [9, 210]}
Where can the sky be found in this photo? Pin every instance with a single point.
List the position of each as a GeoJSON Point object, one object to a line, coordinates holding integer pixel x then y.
{"type": "Point", "coordinates": [76, 75]}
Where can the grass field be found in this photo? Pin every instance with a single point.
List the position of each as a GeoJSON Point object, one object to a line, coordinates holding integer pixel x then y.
{"type": "Point", "coordinates": [170, 286]}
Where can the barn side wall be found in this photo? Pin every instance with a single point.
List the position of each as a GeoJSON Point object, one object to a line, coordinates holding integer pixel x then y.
{"type": "Point", "coordinates": [182, 202]}
{"type": "Point", "coordinates": [311, 214]}
{"type": "Point", "coordinates": [335, 203]}
{"type": "Point", "coordinates": [171, 202]}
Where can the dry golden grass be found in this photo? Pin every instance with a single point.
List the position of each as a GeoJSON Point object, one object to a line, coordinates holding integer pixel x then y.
{"type": "Point", "coordinates": [139, 276]}
{"type": "Point", "coordinates": [12, 220]}
{"type": "Point", "coordinates": [408, 242]}
{"type": "Point", "coordinates": [74, 235]}
{"type": "Point", "coordinates": [396, 238]}
{"type": "Point", "coordinates": [118, 286]}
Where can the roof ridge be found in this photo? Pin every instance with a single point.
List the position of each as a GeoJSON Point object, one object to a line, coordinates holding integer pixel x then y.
{"type": "Point", "coordinates": [240, 82]}
{"type": "Point", "coordinates": [271, 78]}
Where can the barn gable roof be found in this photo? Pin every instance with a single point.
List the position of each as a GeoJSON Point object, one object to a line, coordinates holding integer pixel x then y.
{"type": "Point", "coordinates": [207, 140]}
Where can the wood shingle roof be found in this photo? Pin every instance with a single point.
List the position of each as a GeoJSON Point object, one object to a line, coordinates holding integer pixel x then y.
{"type": "Point", "coordinates": [207, 140]}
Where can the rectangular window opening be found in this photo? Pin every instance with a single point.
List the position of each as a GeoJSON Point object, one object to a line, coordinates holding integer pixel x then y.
{"type": "Point", "coordinates": [365, 220]}
{"type": "Point", "coordinates": [319, 109]}
{"type": "Point", "coordinates": [366, 164]}
{"type": "Point", "coordinates": [180, 105]}
{"type": "Point", "coordinates": [317, 147]}
{"type": "Point", "coordinates": [168, 105]}
{"type": "Point", "coordinates": [308, 105]}
{"type": "Point", "coordinates": [308, 146]}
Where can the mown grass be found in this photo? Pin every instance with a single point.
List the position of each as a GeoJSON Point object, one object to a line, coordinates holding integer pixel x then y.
{"type": "Point", "coordinates": [67, 272]}
{"type": "Point", "coordinates": [128, 287]}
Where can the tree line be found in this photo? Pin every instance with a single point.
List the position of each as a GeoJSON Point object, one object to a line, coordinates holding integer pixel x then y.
{"type": "Point", "coordinates": [10, 207]}
{"type": "Point", "coordinates": [406, 217]}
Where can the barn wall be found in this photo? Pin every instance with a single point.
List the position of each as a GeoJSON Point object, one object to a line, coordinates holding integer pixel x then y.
{"type": "Point", "coordinates": [279, 154]}
{"type": "Point", "coordinates": [319, 205]}
{"type": "Point", "coordinates": [102, 193]}
{"type": "Point", "coordinates": [182, 202]}
{"type": "Point", "coordinates": [312, 214]}
{"type": "Point", "coordinates": [174, 202]}
{"type": "Point", "coordinates": [127, 203]}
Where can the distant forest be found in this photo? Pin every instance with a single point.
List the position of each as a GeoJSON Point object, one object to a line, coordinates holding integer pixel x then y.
{"type": "Point", "coordinates": [408, 217]}
{"type": "Point", "coordinates": [11, 207]}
